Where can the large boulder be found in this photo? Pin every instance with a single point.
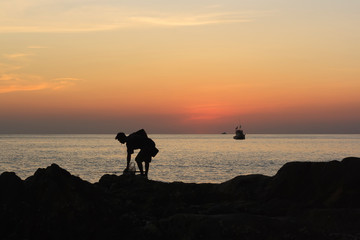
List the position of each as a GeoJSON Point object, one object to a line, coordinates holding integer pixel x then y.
{"type": "Point", "coordinates": [318, 184]}
{"type": "Point", "coordinates": [11, 187]}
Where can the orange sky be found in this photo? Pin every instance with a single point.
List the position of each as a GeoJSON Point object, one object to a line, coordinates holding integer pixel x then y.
{"type": "Point", "coordinates": [203, 67]}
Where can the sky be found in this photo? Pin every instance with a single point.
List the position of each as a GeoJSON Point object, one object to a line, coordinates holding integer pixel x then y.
{"type": "Point", "coordinates": [190, 66]}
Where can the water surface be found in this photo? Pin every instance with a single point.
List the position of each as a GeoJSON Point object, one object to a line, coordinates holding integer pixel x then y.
{"type": "Point", "coordinates": [188, 157]}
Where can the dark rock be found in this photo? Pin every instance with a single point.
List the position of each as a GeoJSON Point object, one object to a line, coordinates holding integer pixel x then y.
{"type": "Point", "coordinates": [322, 184]}
{"type": "Point", "coordinates": [11, 187]}
{"type": "Point", "coordinates": [12, 206]}
{"type": "Point", "coordinates": [247, 188]}
{"type": "Point", "coordinates": [304, 200]}
{"type": "Point", "coordinates": [233, 226]}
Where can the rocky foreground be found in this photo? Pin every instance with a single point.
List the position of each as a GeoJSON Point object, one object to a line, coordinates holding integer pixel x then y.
{"type": "Point", "coordinates": [304, 200]}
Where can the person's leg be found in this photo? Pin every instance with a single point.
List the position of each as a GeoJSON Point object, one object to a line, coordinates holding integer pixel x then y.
{"type": "Point", "coordinates": [140, 167]}
{"type": "Point", "coordinates": [139, 160]}
{"type": "Point", "coordinates": [147, 165]}
{"type": "Point", "coordinates": [147, 160]}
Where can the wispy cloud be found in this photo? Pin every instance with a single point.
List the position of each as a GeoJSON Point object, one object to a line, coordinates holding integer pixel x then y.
{"type": "Point", "coordinates": [57, 28]}
{"type": "Point", "coordinates": [22, 82]}
{"type": "Point", "coordinates": [83, 16]}
{"type": "Point", "coordinates": [6, 68]}
{"type": "Point", "coordinates": [17, 55]}
{"type": "Point", "coordinates": [59, 83]}
{"type": "Point", "coordinates": [193, 20]}
{"type": "Point", "coordinates": [37, 47]}
{"type": "Point", "coordinates": [11, 80]}
{"type": "Point", "coordinates": [17, 82]}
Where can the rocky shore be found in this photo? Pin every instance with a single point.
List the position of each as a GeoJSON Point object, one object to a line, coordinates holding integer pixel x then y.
{"type": "Point", "coordinates": [304, 200]}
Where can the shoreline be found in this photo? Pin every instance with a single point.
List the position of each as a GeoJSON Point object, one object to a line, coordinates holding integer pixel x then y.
{"type": "Point", "coordinates": [304, 200]}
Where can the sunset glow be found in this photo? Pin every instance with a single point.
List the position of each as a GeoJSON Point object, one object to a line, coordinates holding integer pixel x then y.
{"type": "Point", "coordinates": [179, 67]}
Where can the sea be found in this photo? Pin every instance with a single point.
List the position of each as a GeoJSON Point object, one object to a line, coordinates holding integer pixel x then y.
{"type": "Point", "coordinates": [190, 158]}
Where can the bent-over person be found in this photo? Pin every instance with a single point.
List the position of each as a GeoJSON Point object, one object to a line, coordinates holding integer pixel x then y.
{"type": "Point", "coordinates": [138, 140]}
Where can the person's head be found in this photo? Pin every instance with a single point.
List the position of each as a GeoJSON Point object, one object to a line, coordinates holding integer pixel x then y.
{"type": "Point", "coordinates": [121, 137]}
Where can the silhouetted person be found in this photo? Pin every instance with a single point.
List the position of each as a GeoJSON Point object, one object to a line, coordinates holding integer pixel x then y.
{"type": "Point", "coordinates": [138, 140]}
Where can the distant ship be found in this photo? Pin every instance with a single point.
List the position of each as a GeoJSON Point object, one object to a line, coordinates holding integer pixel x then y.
{"type": "Point", "coordinates": [239, 133]}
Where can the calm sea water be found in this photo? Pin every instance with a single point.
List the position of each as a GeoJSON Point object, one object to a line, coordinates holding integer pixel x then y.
{"type": "Point", "coordinates": [188, 158]}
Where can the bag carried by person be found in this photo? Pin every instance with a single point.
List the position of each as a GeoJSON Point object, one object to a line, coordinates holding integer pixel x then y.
{"type": "Point", "coordinates": [141, 133]}
{"type": "Point", "coordinates": [154, 152]}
